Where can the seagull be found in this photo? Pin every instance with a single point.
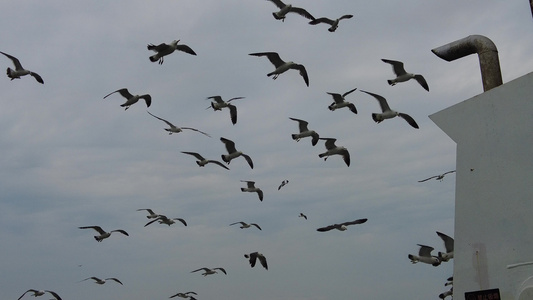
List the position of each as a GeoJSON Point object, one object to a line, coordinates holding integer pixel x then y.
{"type": "Point", "coordinates": [102, 281]}
{"type": "Point", "coordinates": [388, 113]}
{"type": "Point", "coordinates": [341, 226]}
{"type": "Point", "coordinates": [287, 8]}
{"type": "Point", "coordinates": [401, 75]}
{"type": "Point", "coordinates": [302, 216]}
{"type": "Point", "coordinates": [202, 161]}
{"type": "Point", "coordinates": [184, 295]}
{"type": "Point", "coordinates": [446, 294]}
{"type": "Point", "coordinates": [164, 50]}
{"type": "Point", "coordinates": [339, 102]}
{"type": "Point", "coordinates": [424, 255]}
{"type": "Point", "coordinates": [304, 132]}
{"type": "Point", "coordinates": [437, 177]}
{"type": "Point", "coordinates": [282, 66]}
{"type": "Point", "coordinates": [233, 153]}
{"type": "Point", "coordinates": [103, 235]}
{"type": "Point", "coordinates": [332, 149]}
{"type": "Point", "coordinates": [448, 245]}
{"type": "Point", "coordinates": [151, 213]}
{"type": "Point", "coordinates": [174, 129]}
{"type": "Point", "coordinates": [334, 23]}
{"type": "Point", "coordinates": [165, 220]}
{"type": "Point", "coordinates": [283, 183]}
{"type": "Point", "coordinates": [253, 258]}
{"type": "Point", "coordinates": [19, 70]}
{"type": "Point", "coordinates": [252, 189]}
{"type": "Point", "coordinates": [208, 271]}
{"type": "Point", "coordinates": [246, 225]}
{"type": "Point", "coordinates": [218, 104]}
{"type": "Point", "coordinates": [449, 281]}
{"type": "Point", "coordinates": [37, 293]}
{"type": "Point", "coordinates": [132, 99]}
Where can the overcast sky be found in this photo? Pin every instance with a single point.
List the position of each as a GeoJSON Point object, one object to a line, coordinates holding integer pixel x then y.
{"type": "Point", "coordinates": [71, 158]}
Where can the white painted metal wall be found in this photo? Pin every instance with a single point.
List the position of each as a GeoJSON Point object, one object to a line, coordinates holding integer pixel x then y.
{"type": "Point", "coordinates": [494, 190]}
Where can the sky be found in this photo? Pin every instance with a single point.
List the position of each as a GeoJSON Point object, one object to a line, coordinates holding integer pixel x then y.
{"type": "Point", "coordinates": [71, 158]}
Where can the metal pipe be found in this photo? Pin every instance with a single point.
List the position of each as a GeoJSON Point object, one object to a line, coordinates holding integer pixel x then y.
{"type": "Point", "coordinates": [489, 63]}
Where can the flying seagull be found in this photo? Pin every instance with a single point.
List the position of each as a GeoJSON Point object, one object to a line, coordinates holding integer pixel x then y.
{"type": "Point", "coordinates": [287, 8]}
{"type": "Point", "coordinates": [218, 104]}
{"type": "Point", "coordinates": [437, 177]}
{"type": "Point", "coordinates": [304, 132]}
{"type": "Point", "coordinates": [19, 70]}
{"type": "Point", "coordinates": [103, 235]}
{"type": "Point", "coordinates": [162, 219]}
{"type": "Point", "coordinates": [401, 75]}
{"type": "Point", "coordinates": [131, 99]}
{"type": "Point", "coordinates": [37, 293]}
{"type": "Point", "coordinates": [151, 214]}
{"type": "Point", "coordinates": [252, 258]}
{"type": "Point", "coordinates": [102, 281]}
{"type": "Point", "coordinates": [332, 149]}
{"type": "Point", "coordinates": [174, 129]}
{"type": "Point", "coordinates": [424, 255]}
{"type": "Point", "coordinates": [446, 294]}
{"type": "Point", "coordinates": [246, 225]}
{"type": "Point", "coordinates": [202, 161]}
{"type": "Point", "coordinates": [164, 50]}
{"type": "Point", "coordinates": [333, 23]}
{"type": "Point", "coordinates": [283, 183]}
{"type": "Point", "coordinates": [449, 281]}
{"type": "Point", "coordinates": [341, 226]}
{"type": "Point", "coordinates": [208, 271]}
{"type": "Point", "coordinates": [302, 216]}
{"type": "Point", "coordinates": [339, 102]}
{"type": "Point", "coordinates": [184, 295]}
{"type": "Point", "coordinates": [233, 153]}
{"type": "Point", "coordinates": [252, 189]}
{"type": "Point", "coordinates": [388, 113]}
{"type": "Point", "coordinates": [448, 245]}
{"type": "Point", "coordinates": [282, 66]}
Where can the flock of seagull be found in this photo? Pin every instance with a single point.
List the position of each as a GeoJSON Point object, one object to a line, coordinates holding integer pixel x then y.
{"type": "Point", "coordinates": [425, 256]}
{"type": "Point", "coordinates": [217, 104]}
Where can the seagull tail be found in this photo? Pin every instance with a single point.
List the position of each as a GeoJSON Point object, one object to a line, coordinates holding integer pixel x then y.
{"type": "Point", "coordinates": [242, 189]}
{"type": "Point", "coordinates": [391, 82]}
{"type": "Point", "coordinates": [377, 118]}
{"type": "Point", "coordinates": [294, 136]}
{"type": "Point", "coordinates": [413, 259]}
{"type": "Point", "coordinates": [154, 58]}
{"type": "Point", "coordinates": [224, 158]}
{"type": "Point", "coordinates": [322, 155]}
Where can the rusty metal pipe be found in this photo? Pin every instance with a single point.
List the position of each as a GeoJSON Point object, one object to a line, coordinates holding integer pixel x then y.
{"type": "Point", "coordinates": [489, 63]}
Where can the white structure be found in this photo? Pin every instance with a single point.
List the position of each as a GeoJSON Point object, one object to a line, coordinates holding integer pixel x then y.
{"type": "Point", "coordinates": [494, 190]}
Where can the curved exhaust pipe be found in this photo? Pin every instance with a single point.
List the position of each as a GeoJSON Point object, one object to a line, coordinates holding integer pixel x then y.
{"type": "Point", "coordinates": [489, 63]}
